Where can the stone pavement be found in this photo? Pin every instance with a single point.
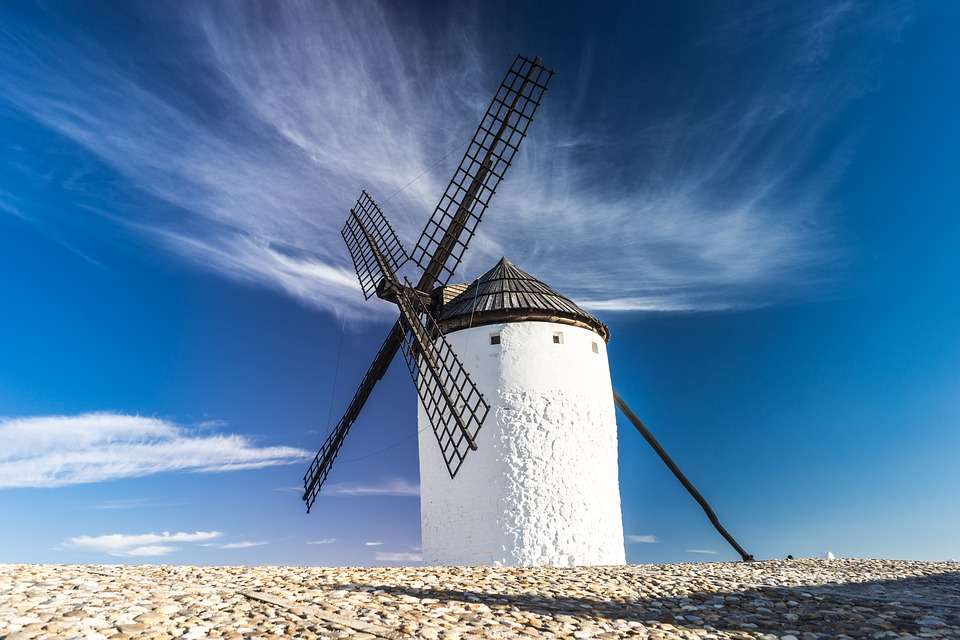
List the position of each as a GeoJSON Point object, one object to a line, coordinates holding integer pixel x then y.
{"type": "Point", "coordinates": [789, 599]}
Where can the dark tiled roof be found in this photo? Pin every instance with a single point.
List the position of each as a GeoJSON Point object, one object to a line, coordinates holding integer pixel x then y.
{"type": "Point", "coordinates": [506, 292]}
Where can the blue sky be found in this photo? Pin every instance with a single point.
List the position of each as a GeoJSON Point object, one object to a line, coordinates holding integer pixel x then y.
{"type": "Point", "coordinates": [761, 202]}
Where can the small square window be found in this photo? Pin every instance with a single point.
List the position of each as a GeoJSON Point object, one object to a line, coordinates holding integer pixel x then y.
{"type": "Point", "coordinates": [494, 338]}
{"type": "Point", "coordinates": [594, 347]}
{"type": "Point", "coordinates": [558, 338]}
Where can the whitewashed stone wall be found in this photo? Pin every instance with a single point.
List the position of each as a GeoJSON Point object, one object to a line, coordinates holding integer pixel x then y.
{"type": "Point", "coordinates": [542, 488]}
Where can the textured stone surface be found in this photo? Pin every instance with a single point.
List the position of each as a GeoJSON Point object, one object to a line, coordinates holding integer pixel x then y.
{"type": "Point", "coordinates": [542, 487]}
{"type": "Point", "coordinates": [801, 599]}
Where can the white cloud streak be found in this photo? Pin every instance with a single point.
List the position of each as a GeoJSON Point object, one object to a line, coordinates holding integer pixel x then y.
{"type": "Point", "coordinates": [322, 541]}
{"type": "Point", "coordinates": [646, 539]}
{"type": "Point", "coordinates": [7, 206]}
{"type": "Point", "coordinates": [296, 490]}
{"type": "Point", "coordinates": [709, 209]}
{"type": "Point", "coordinates": [149, 550]}
{"type": "Point", "coordinates": [709, 552]}
{"type": "Point", "coordinates": [397, 487]}
{"type": "Point", "coordinates": [54, 451]}
{"type": "Point", "coordinates": [373, 543]}
{"type": "Point", "coordinates": [129, 503]}
{"type": "Point", "coordinates": [243, 544]}
{"type": "Point", "coordinates": [138, 545]}
{"type": "Point", "coordinates": [401, 556]}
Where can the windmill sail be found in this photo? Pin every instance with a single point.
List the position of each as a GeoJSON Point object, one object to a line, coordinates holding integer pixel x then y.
{"type": "Point", "coordinates": [448, 232]}
{"type": "Point", "coordinates": [322, 462]}
{"type": "Point", "coordinates": [454, 406]}
{"type": "Point", "coordinates": [366, 218]}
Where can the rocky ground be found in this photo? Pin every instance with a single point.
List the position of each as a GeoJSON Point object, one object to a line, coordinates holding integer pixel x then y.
{"type": "Point", "coordinates": [792, 599]}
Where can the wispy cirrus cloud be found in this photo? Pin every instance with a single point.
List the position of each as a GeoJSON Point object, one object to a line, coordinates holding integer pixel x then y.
{"type": "Point", "coordinates": [703, 204]}
{"type": "Point", "coordinates": [243, 544]}
{"type": "Point", "coordinates": [391, 487]}
{"type": "Point", "coordinates": [129, 503]}
{"type": "Point", "coordinates": [373, 543]}
{"type": "Point", "coordinates": [54, 451]}
{"type": "Point", "coordinates": [138, 545]}
{"type": "Point", "coordinates": [709, 552]}
{"type": "Point", "coordinates": [400, 556]}
{"type": "Point", "coordinates": [322, 541]}
{"type": "Point", "coordinates": [635, 538]}
{"type": "Point", "coordinates": [10, 205]}
{"type": "Point", "coordinates": [397, 487]}
{"type": "Point", "coordinates": [7, 206]}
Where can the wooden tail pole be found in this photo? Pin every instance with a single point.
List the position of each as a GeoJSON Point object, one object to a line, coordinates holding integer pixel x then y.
{"type": "Point", "coordinates": [692, 490]}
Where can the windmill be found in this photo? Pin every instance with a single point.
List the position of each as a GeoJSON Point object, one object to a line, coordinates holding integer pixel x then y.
{"type": "Point", "coordinates": [564, 507]}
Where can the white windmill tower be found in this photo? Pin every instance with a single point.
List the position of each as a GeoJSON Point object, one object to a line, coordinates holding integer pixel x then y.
{"type": "Point", "coordinates": [542, 487]}
{"type": "Point", "coordinates": [540, 483]}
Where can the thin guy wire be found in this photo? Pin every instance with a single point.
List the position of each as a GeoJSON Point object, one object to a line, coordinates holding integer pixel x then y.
{"type": "Point", "coordinates": [336, 374]}
{"type": "Point", "coordinates": [393, 445]}
{"type": "Point", "coordinates": [421, 174]}
{"type": "Point", "coordinates": [476, 292]}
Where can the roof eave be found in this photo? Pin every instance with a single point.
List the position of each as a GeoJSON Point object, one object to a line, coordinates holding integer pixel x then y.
{"type": "Point", "coordinates": [502, 316]}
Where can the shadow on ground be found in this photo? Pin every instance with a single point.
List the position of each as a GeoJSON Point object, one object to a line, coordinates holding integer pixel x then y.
{"type": "Point", "coordinates": [928, 604]}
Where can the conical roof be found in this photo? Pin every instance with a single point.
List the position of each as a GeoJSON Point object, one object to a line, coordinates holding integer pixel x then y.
{"type": "Point", "coordinates": [506, 293]}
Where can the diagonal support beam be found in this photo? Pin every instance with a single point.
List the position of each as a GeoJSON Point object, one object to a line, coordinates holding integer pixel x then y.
{"type": "Point", "coordinates": [692, 490]}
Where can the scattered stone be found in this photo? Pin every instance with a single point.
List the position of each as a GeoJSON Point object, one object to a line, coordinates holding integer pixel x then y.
{"type": "Point", "coordinates": [930, 621]}
{"type": "Point", "coordinates": [773, 600]}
